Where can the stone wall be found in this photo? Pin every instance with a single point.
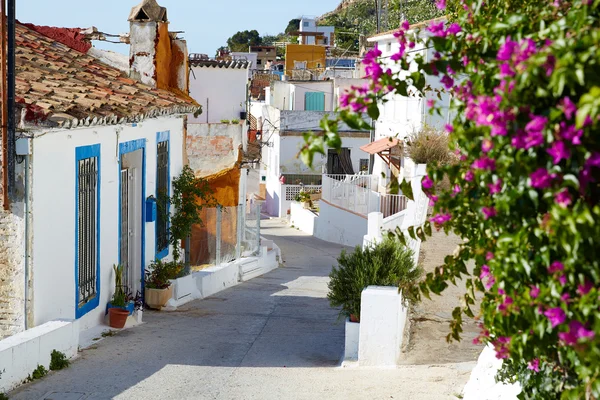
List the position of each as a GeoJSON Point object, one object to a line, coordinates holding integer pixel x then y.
{"type": "Point", "coordinates": [12, 276]}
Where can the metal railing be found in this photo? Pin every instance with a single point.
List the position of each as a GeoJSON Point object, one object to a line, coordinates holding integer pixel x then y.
{"type": "Point", "coordinates": [364, 181]}
{"type": "Point", "coordinates": [304, 179]}
{"type": "Point", "coordinates": [391, 204]}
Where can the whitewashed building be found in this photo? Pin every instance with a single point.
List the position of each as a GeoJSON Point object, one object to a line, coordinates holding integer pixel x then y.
{"type": "Point", "coordinates": [401, 116]}
{"type": "Point", "coordinates": [282, 138]}
{"type": "Point", "coordinates": [94, 149]}
{"type": "Point", "coordinates": [311, 33]}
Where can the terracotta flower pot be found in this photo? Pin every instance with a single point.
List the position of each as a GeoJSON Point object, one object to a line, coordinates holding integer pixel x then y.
{"type": "Point", "coordinates": [117, 317]}
{"type": "Point", "coordinates": [354, 318]}
{"type": "Point", "coordinates": [157, 298]}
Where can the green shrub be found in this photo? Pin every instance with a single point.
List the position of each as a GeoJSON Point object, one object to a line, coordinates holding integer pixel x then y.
{"type": "Point", "coordinates": [235, 121]}
{"type": "Point", "coordinates": [429, 146]}
{"type": "Point", "coordinates": [38, 373]}
{"type": "Point", "coordinates": [58, 360]}
{"type": "Point", "coordinates": [3, 396]}
{"type": "Point", "coordinates": [225, 121]}
{"type": "Point", "coordinates": [160, 273]}
{"type": "Point", "coordinates": [387, 264]}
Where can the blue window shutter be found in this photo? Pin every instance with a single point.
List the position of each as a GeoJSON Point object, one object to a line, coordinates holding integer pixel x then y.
{"type": "Point", "coordinates": [314, 101]}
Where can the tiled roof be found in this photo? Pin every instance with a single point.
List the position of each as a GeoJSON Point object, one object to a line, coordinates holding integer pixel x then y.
{"type": "Point", "coordinates": [380, 145]}
{"type": "Point", "coordinates": [60, 86]}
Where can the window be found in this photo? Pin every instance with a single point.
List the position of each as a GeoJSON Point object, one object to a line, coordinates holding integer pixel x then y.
{"type": "Point", "coordinates": [364, 164]}
{"type": "Point", "coordinates": [325, 41]}
{"type": "Point", "coordinates": [258, 62]}
{"type": "Point", "coordinates": [162, 197]}
{"type": "Point", "coordinates": [388, 47]}
{"type": "Point", "coordinates": [87, 212]}
{"type": "Point", "coordinates": [305, 24]}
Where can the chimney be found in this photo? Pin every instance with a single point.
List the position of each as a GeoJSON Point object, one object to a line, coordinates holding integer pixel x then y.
{"type": "Point", "coordinates": [156, 56]}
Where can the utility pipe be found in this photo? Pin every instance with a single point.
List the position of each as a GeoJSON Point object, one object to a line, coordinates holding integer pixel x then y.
{"type": "Point", "coordinates": [4, 101]}
{"type": "Point", "coordinates": [11, 78]}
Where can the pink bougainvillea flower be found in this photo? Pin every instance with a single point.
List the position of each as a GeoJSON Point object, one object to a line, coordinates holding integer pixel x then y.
{"type": "Point", "coordinates": [430, 103]}
{"type": "Point", "coordinates": [437, 29]}
{"type": "Point", "coordinates": [570, 133]}
{"type": "Point", "coordinates": [449, 128]}
{"type": "Point", "coordinates": [559, 151]}
{"type": "Point", "coordinates": [489, 256]}
{"type": "Point", "coordinates": [506, 50]}
{"type": "Point", "coordinates": [568, 107]}
{"type": "Point", "coordinates": [562, 279]}
{"type": "Point", "coordinates": [565, 297]}
{"type": "Point", "coordinates": [506, 303]}
{"type": "Point", "coordinates": [495, 187]}
{"type": "Point", "coordinates": [563, 198]}
{"type": "Point", "coordinates": [585, 288]}
{"type": "Point", "coordinates": [447, 81]}
{"type": "Point", "coordinates": [465, 61]}
{"type": "Point", "coordinates": [576, 331]}
{"type": "Point", "coordinates": [405, 25]}
{"type": "Point", "coordinates": [506, 70]}
{"type": "Point", "coordinates": [485, 271]}
{"type": "Point", "coordinates": [484, 163]}
{"type": "Point", "coordinates": [534, 365]}
{"type": "Point", "coordinates": [441, 219]}
{"type": "Point", "coordinates": [549, 65]}
{"type": "Point", "coordinates": [469, 176]}
{"type": "Point", "coordinates": [487, 145]}
{"type": "Point", "coordinates": [454, 28]}
{"type": "Point", "coordinates": [556, 266]}
{"type": "Point", "coordinates": [440, 4]}
{"type": "Point", "coordinates": [587, 174]}
{"type": "Point", "coordinates": [489, 212]}
{"type": "Point", "coordinates": [534, 292]}
{"type": "Point", "coordinates": [556, 316]}
{"type": "Point", "coordinates": [501, 347]}
{"type": "Point", "coordinates": [540, 179]}
{"type": "Point", "coordinates": [433, 200]}
{"type": "Point", "coordinates": [456, 190]}
{"type": "Point", "coordinates": [537, 124]}
{"type": "Point", "coordinates": [427, 182]}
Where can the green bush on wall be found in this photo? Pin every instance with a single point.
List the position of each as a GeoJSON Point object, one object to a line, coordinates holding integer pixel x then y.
{"type": "Point", "coordinates": [386, 264]}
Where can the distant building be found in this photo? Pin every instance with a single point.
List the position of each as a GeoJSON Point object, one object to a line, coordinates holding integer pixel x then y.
{"type": "Point", "coordinates": [304, 62]}
{"type": "Point", "coordinates": [264, 55]}
{"type": "Point", "coordinates": [311, 34]}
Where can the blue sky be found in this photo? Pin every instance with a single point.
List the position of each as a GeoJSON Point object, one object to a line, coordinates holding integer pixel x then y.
{"type": "Point", "coordinates": [207, 23]}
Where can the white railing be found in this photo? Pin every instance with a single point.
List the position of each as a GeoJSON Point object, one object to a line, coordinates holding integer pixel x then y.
{"type": "Point", "coordinates": [291, 191]}
{"type": "Point", "coordinates": [352, 193]}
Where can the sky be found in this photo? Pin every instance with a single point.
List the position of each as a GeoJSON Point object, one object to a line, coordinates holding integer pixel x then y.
{"type": "Point", "coordinates": [207, 23]}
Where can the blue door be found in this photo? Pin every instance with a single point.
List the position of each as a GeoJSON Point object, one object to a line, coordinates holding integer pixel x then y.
{"type": "Point", "coordinates": [314, 101]}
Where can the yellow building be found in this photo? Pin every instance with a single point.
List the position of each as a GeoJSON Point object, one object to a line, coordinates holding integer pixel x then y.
{"type": "Point", "coordinates": [300, 57]}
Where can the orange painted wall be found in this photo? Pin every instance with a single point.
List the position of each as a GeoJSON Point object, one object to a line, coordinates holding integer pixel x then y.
{"type": "Point", "coordinates": [164, 53]}
{"type": "Point", "coordinates": [312, 54]}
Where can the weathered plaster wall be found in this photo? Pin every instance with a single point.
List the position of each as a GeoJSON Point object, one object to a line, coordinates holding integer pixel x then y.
{"type": "Point", "coordinates": [164, 55]}
{"type": "Point", "coordinates": [12, 270]}
{"type": "Point", "coordinates": [213, 147]}
{"type": "Point", "coordinates": [142, 51]}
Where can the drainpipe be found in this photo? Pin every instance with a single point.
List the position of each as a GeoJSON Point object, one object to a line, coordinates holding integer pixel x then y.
{"type": "Point", "coordinates": [4, 116]}
{"type": "Point", "coordinates": [26, 215]}
{"type": "Point", "coordinates": [11, 95]}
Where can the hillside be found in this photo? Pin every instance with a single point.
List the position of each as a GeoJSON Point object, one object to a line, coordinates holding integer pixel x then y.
{"type": "Point", "coordinates": [353, 18]}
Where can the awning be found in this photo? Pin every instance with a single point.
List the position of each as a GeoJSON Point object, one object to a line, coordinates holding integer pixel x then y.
{"type": "Point", "coordinates": [388, 148]}
{"type": "Point", "coordinates": [378, 146]}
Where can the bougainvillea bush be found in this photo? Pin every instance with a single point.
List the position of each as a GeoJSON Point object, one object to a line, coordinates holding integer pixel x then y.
{"type": "Point", "coordinates": [525, 80]}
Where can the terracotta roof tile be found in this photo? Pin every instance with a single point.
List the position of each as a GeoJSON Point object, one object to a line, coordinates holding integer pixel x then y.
{"type": "Point", "coordinates": [69, 84]}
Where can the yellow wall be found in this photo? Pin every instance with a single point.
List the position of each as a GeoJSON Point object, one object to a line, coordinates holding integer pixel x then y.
{"type": "Point", "coordinates": [312, 54]}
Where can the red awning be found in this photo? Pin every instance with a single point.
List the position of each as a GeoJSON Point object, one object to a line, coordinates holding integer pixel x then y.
{"type": "Point", "coordinates": [381, 145]}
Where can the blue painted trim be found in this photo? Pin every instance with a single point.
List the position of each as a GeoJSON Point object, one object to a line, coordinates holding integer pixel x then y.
{"type": "Point", "coordinates": [80, 154]}
{"type": "Point", "coordinates": [124, 148]}
{"type": "Point", "coordinates": [163, 137]}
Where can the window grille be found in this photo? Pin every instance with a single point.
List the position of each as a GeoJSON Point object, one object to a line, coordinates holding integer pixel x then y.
{"type": "Point", "coordinates": [87, 236]}
{"type": "Point", "coordinates": [162, 176]}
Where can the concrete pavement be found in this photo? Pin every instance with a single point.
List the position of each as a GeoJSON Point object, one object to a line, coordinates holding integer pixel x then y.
{"type": "Point", "coordinates": [274, 337]}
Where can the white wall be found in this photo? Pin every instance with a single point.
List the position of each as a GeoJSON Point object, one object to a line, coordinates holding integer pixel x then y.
{"type": "Point", "coordinates": [340, 226]}
{"type": "Point", "coordinates": [53, 209]}
{"type": "Point", "coordinates": [291, 95]}
{"type": "Point", "coordinates": [302, 218]}
{"type": "Point", "coordinates": [214, 147]}
{"type": "Point", "coordinates": [312, 27]}
{"type": "Point", "coordinates": [220, 91]}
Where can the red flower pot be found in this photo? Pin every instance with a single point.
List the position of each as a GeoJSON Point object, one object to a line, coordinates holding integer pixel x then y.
{"type": "Point", "coordinates": [117, 317]}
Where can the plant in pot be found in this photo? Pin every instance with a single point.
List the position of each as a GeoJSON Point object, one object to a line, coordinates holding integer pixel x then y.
{"type": "Point", "coordinates": [117, 311]}
{"type": "Point", "coordinates": [388, 263]}
{"type": "Point", "coordinates": [304, 198]}
{"type": "Point", "coordinates": [158, 282]}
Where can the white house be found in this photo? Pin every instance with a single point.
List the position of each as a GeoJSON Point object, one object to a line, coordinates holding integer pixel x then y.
{"type": "Point", "coordinates": [95, 148]}
{"type": "Point", "coordinates": [311, 33]}
{"type": "Point", "coordinates": [282, 137]}
{"type": "Point", "coordinates": [400, 116]}
{"type": "Point", "coordinates": [221, 87]}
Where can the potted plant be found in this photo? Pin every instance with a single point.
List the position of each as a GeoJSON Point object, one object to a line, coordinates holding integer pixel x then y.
{"type": "Point", "coordinates": [117, 308]}
{"type": "Point", "coordinates": [158, 282]}
{"type": "Point", "coordinates": [304, 198]}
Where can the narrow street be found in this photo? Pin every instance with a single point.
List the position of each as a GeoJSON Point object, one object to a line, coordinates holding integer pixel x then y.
{"type": "Point", "coordinates": [274, 337]}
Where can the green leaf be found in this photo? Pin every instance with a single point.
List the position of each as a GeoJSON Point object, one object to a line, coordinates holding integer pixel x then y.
{"type": "Point", "coordinates": [407, 191]}
{"type": "Point", "coordinates": [373, 111]}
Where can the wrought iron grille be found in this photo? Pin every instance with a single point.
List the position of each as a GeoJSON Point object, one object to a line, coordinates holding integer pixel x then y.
{"type": "Point", "coordinates": [87, 221]}
{"type": "Point", "coordinates": [162, 176]}
{"type": "Point", "coordinates": [124, 241]}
